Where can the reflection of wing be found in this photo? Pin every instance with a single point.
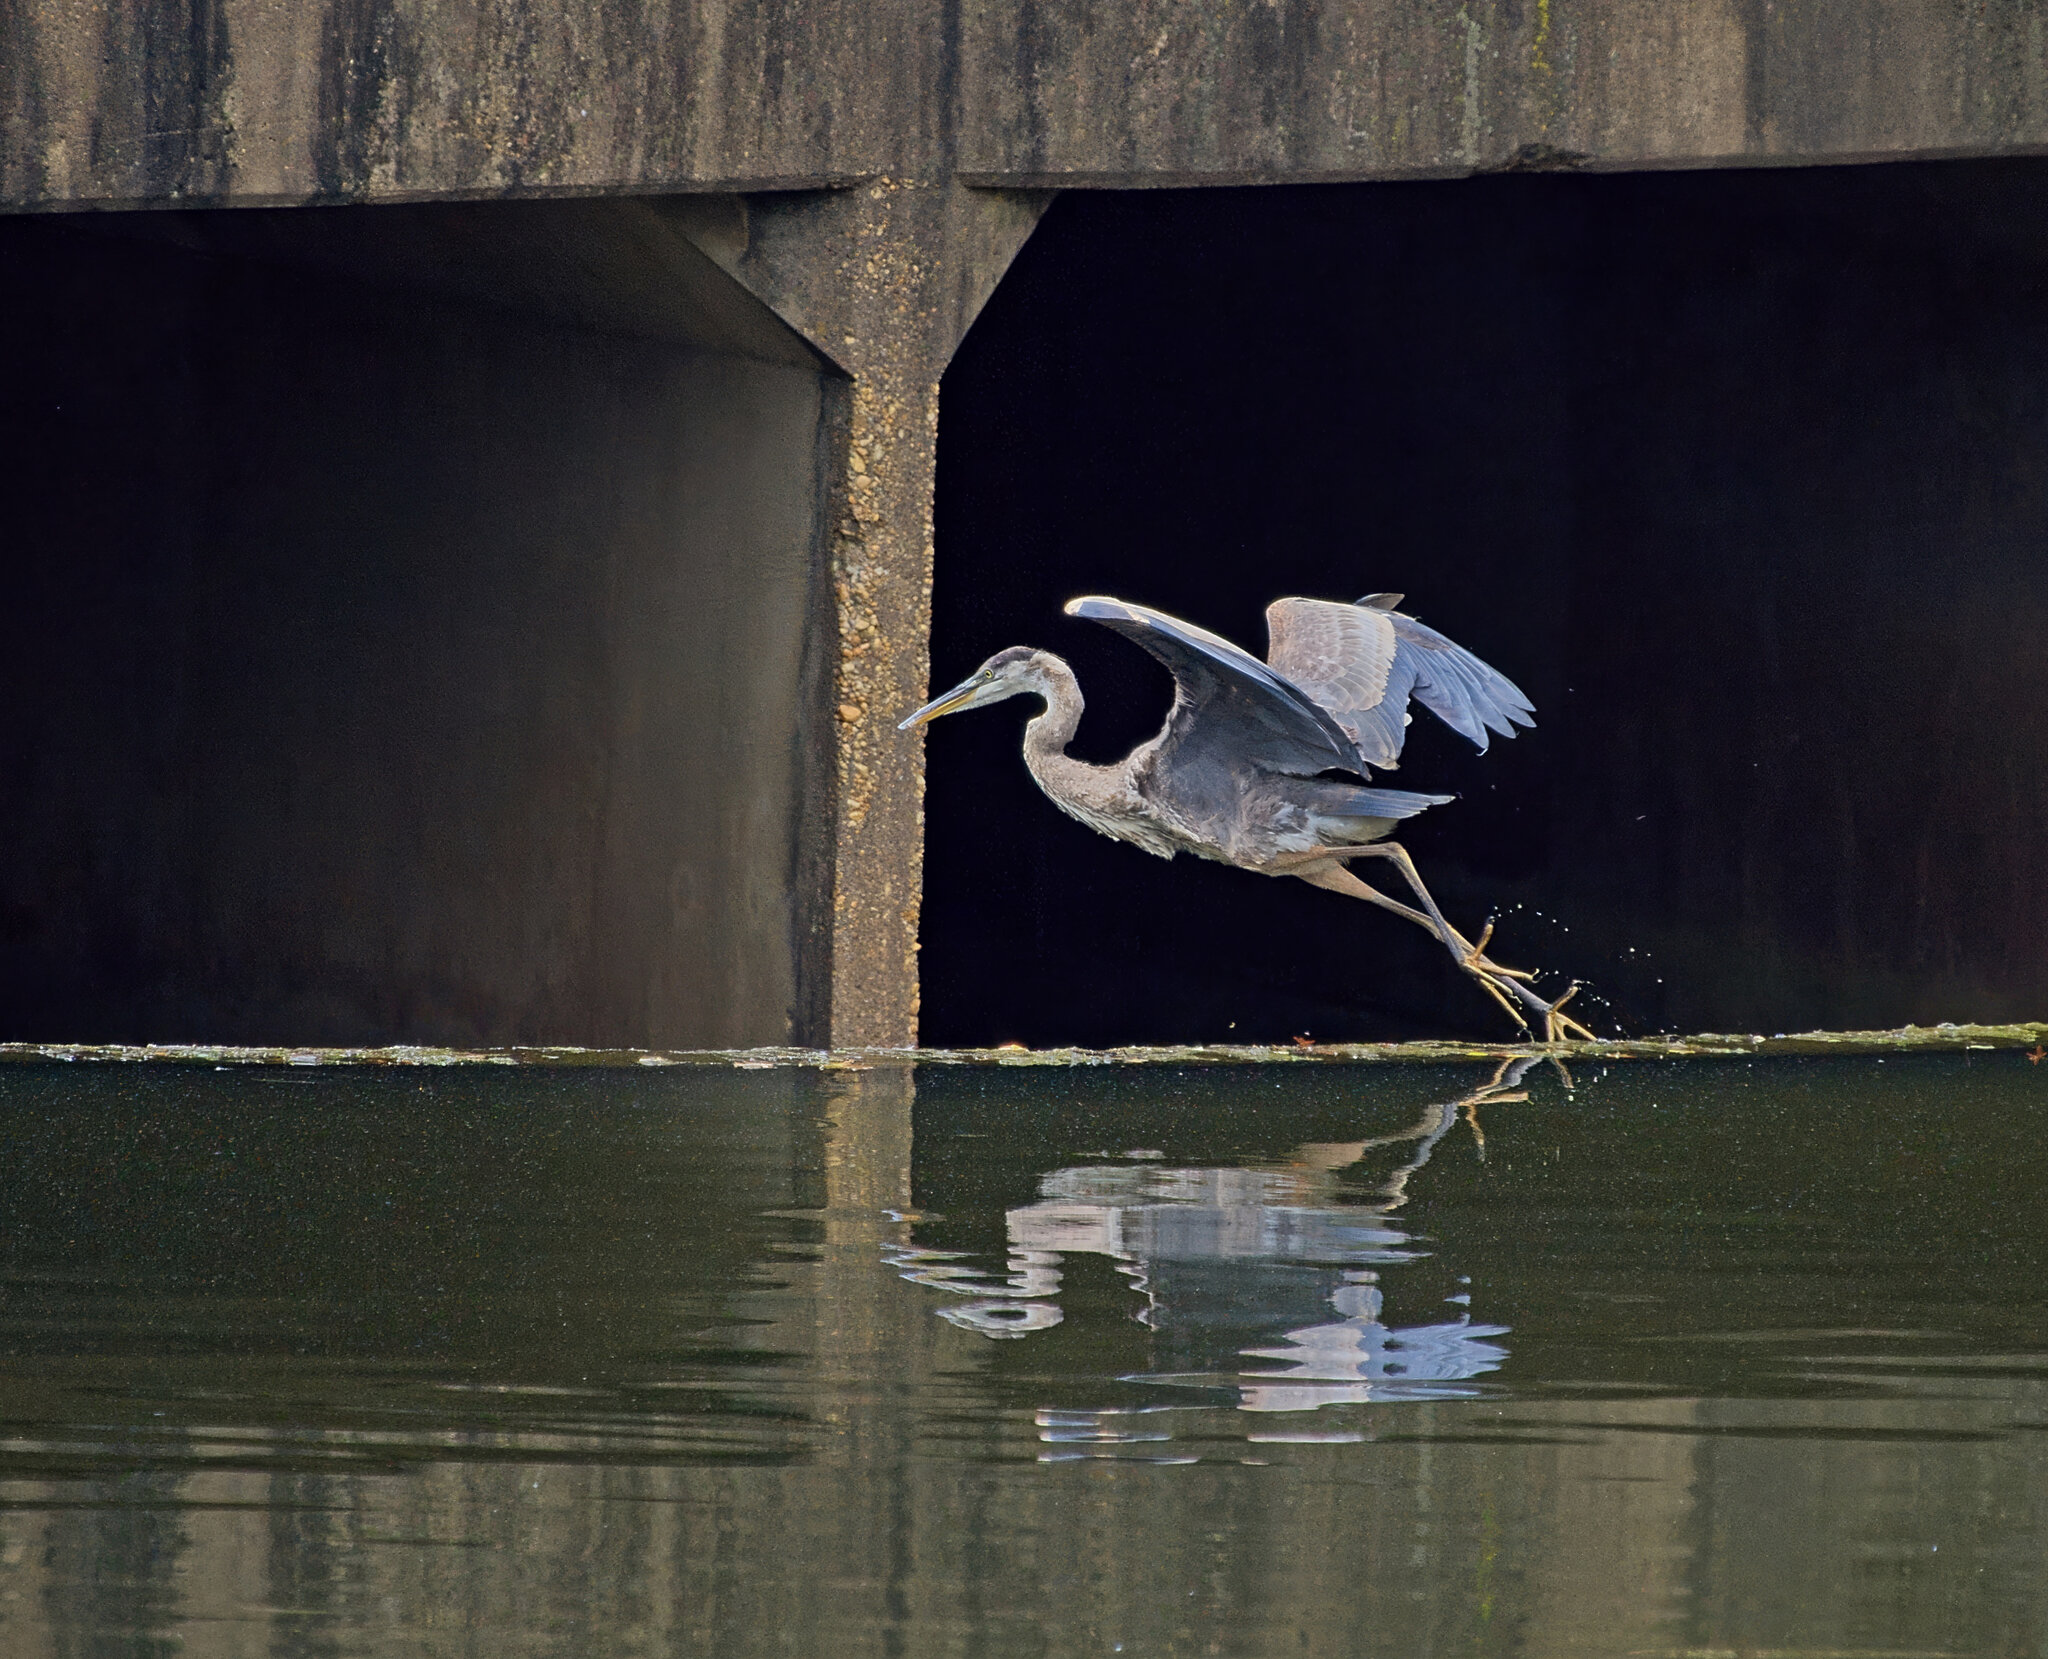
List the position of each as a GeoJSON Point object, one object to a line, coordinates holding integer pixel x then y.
{"type": "Point", "coordinates": [1363, 662]}
{"type": "Point", "coordinates": [1230, 710]}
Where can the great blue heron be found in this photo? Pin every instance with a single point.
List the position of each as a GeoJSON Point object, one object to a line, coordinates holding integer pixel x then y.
{"type": "Point", "coordinates": [1241, 771]}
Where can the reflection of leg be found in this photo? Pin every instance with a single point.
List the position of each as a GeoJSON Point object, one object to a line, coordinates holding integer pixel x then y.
{"type": "Point", "coordinates": [1499, 1089]}
{"type": "Point", "coordinates": [1322, 1158]}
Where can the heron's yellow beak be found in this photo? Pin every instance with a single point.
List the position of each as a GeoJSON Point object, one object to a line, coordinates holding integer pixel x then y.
{"type": "Point", "coordinates": [962, 696]}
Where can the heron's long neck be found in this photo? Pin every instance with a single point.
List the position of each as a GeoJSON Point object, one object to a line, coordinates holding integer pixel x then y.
{"type": "Point", "coordinates": [1087, 791]}
{"type": "Point", "coordinates": [1046, 737]}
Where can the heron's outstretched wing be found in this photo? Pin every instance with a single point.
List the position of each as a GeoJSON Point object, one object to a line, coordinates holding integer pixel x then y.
{"type": "Point", "coordinates": [1343, 657]}
{"type": "Point", "coordinates": [1231, 710]}
{"type": "Point", "coordinates": [1363, 662]}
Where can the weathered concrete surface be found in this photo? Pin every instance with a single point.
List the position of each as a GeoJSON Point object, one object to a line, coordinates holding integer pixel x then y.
{"type": "Point", "coordinates": [356, 99]}
{"type": "Point", "coordinates": [1156, 91]}
{"type": "Point", "coordinates": [382, 663]}
{"type": "Point", "coordinates": [250, 102]}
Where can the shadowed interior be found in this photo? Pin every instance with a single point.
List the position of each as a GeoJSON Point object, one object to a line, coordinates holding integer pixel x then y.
{"type": "Point", "coordinates": [406, 629]}
{"type": "Point", "coordinates": [1743, 477]}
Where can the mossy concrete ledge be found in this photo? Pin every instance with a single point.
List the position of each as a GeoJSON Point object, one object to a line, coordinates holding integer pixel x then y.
{"type": "Point", "coordinates": [1911, 1039]}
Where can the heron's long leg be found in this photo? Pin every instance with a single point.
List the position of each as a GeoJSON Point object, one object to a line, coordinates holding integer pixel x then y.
{"type": "Point", "coordinates": [1340, 880]}
{"type": "Point", "coordinates": [1471, 955]}
{"type": "Point", "coordinates": [1466, 954]}
{"type": "Point", "coordinates": [1496, 981]}
{"type": "Point", "coordinates": [1472, 958]}
{"type": "Point", "coordinates": [1474, 955]}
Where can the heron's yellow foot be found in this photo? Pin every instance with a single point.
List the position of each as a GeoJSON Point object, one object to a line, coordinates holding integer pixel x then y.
{"type": "Point", "coordinates": [1501, 990]}
{"type": "Point", "coordinates": [1475, 958]}
{"type": "Point", "coordinates": [1560, 1028]}
{"type": "Point", "coordinates": [1491, 989]}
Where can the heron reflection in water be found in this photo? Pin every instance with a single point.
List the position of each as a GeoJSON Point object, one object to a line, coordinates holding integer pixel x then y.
{"type": "Point", "coordinates": [1275, 1262]}
{"type": "Point", "coordinates": [1264, 764]}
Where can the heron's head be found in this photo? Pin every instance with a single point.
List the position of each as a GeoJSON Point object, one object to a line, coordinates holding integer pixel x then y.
{"type": "Point", "coordinates": [1011, 673]}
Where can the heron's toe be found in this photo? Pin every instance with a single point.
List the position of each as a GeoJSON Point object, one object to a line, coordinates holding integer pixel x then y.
{"type": "Point", "coordinates": [1560, 1027]}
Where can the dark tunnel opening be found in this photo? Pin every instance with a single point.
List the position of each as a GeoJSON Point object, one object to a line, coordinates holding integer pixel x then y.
{"type": "Point", "coordinates": [408, 630]}
{"type": "Point", "coordinates": [1740, 475]}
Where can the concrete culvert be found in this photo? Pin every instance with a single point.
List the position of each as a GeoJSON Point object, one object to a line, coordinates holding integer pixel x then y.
{"type": "Point", "coordinates": [1739, 474]}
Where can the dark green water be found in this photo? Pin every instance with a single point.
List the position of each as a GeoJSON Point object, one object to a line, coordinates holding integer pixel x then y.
{"type": "Point", "coordinates": [1721, 1358]}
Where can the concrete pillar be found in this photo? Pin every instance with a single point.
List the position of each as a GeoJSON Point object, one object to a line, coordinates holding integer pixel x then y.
{"type": "Point", "coordinates": [884, 279]}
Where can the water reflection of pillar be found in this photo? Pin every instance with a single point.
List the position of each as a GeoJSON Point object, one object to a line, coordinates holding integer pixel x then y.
{"type": "Point", "coordinates": [107, 1560]}
{"type": "Point", "coordinates": [865, 1326]}
{"type": "Point", "coordinates": [867, 1149]}
{"type": "Point", "coordinates": [872, 1344]}
{"type": "Point", "coordinates": [1609, 1565]}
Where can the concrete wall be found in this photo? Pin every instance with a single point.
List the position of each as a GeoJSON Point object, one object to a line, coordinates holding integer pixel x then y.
{"type": "Point", "coordinates": [384, 666]}
{"type": "Point", "coordinates": [1162, 92]}
{"type": "Point", "coordinates": [866, 173]}
{"type": "Point", "coordinates": [363, 99]}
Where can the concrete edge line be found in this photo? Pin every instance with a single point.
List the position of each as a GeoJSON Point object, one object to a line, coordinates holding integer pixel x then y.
{"type": "Point", "coordinates": [1912, 1039]}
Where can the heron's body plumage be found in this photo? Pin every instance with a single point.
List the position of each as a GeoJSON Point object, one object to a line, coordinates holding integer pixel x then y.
{"type": "Point", "coordinates": [1234, 773]}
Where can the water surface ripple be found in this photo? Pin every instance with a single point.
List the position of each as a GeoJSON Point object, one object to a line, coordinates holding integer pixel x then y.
{"type": "Point", "coordinates": [1733, 1357]}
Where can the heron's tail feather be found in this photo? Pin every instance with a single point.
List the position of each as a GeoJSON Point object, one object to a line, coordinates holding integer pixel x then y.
{"type": "Point", "coordinates": [1346, 801]}
{"type": "Point", "coordinates": [1344, 813]}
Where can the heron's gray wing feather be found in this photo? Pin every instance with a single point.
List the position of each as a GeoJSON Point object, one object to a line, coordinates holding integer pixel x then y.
{"type": "Point", "coordinates": [1232, 709]}
{"type": "Point", "coordinates": [1469, 696]}
{"type": "Point", "coordinates": [1364, 662]}
{"type": "Point", "coordinates": [1342, 656]}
